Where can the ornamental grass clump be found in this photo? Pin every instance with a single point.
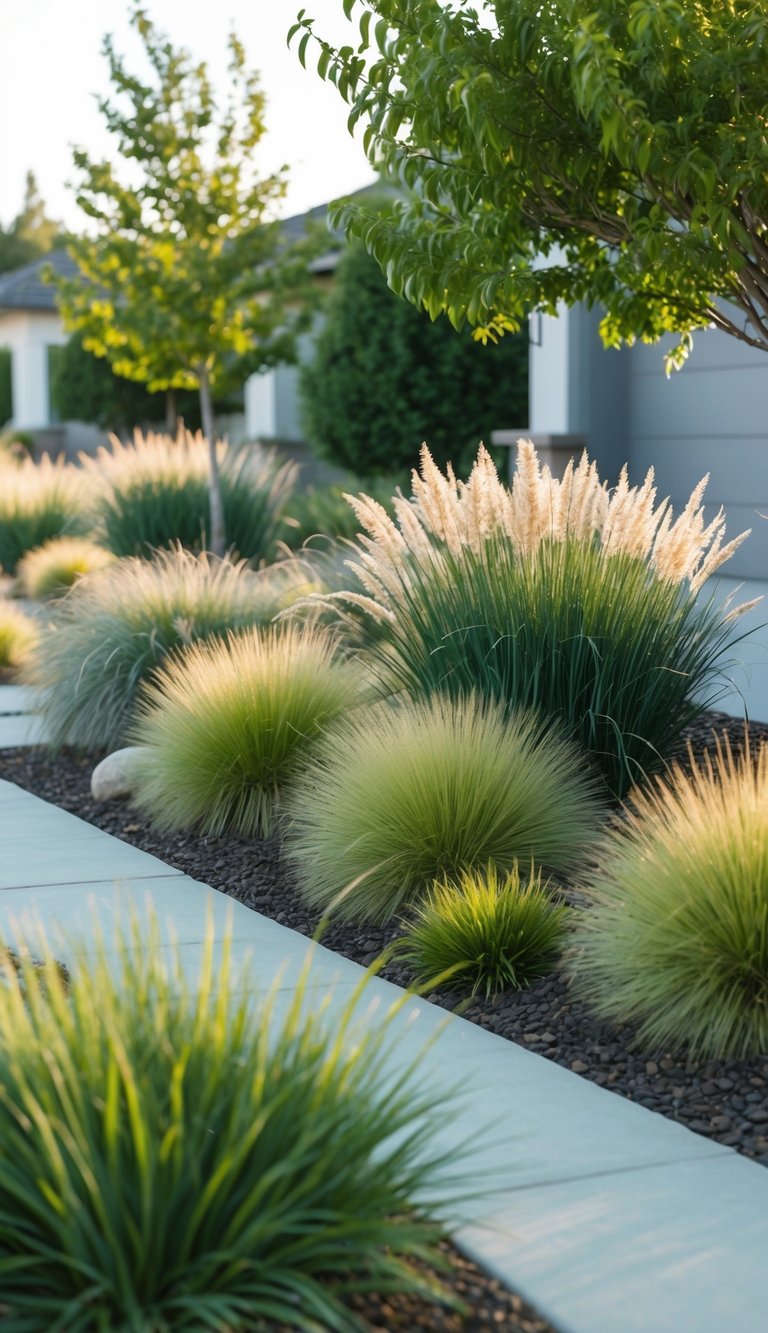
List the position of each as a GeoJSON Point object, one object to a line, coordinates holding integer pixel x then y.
{"type": "Point", "coordinates": [179, 1157]}
{"type": "Point", "coordinates": [676, 938]}
{"type": "Point", "coordinates": [227, 726]}
{"type": "Point", "coordinates": [559, 595]}
{"type": "Point", "coordinates": [51, 570]}
{"type": "Point", "coordinates": [402, 795]}
{"type": "Point", "coordinates": [38, 501]}
{"type": "Point", "coordinates": [324, 512]}
{"type": "Point", "coordinates": [489, 932]}
{"type": "Point", "coordinates": [18, 636]}
{"type": "Point", "coordinates": [116, 628]}
{"type": "Point", "coordinates": [154, 493]}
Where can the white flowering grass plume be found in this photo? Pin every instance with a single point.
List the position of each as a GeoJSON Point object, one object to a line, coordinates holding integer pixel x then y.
{"type": "Point", "coordinates": [226, 726]}
{"type": "Point", "coordinates": [676, 938]}
{"type": "Point", "coordinates": [116, 628]}
{"type": "Point", "coordinates": [401, 795]}
{"type": "Point", "coordinates": [38, 501]}
{"type": "Point", "coordinates": [153, 492]}
{"type": "Point", "coordinates": [52, 569]}
{"type": "Point", "coordinates": [563, 595]}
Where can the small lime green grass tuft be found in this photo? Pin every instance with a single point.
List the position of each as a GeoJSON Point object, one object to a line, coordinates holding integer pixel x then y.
{"type": "Point", "coordinates": [676, 939]}
{"type": "Point", "coordinates": [52, 569]}
{"type": "Point", "coordinates": [196, 1156]}
{"type": "Point", "coordinates": [18, 636]}
{"type": "Point", "coordinates": [488, 932]}
{"type": "Point", "coordinates": [226, 726]}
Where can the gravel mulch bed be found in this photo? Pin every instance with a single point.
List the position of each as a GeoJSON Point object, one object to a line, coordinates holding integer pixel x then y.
{"type": "Point", "coordinates": [725, 1100]}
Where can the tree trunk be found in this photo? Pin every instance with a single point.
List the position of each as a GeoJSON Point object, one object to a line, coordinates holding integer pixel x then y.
{"type": "Point", "coordinates": [217, 536]}
{"type": "Point", "coordinates": [170, 412]}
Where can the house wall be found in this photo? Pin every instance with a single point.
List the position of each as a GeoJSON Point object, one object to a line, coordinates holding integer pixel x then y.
{"type": "Point", "coordinates": [710, 417]}
{"type": "Point", "coordinates": [29, 334]}
{"type": "Point", "coordinates": [271, 405]}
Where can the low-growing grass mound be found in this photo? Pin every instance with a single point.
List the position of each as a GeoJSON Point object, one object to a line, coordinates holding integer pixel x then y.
{"type": "Point", "coordinates": [18, 636]}
{"type": "Point", "coordinates": [403, 795]}
{"type": "Point", "coordinates": [226, 726]}
{"type": "Point", "coordinates": [676, 939]}
{"type": "Point", "coordinates": [153, 493]}
{"type": "Point", "coordinates": [179, 1158]}
{"type": "Point", "coordinates": [52, 569]}
{"type": "Point", "coordinates": [117, 627]}
{"type": "Point", "coordinates": [490, 933]}
{"type": "Point", "coordinates": [38, 501]}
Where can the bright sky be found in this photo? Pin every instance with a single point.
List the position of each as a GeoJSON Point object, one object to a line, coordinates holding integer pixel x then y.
{"type": "Point", "coordinates": [51, 66]}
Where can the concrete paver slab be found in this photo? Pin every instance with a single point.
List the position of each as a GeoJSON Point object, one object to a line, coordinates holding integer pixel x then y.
{"type": "Point", "coordinates": [16, 699]}
{"type": "Point", "coordinates": [673, 1249]}
{"type": "Point", "coordinates": [517, 1107]}
{"type": "Point", "coordinates": [40, 844]}
{"type": "Point", "coordinates": [21, 730]}
{"type": "Point", "coordinates": [182, 909]}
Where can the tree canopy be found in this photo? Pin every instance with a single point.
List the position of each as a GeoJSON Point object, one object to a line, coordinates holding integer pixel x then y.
{"type": "Point", "coordinates": [185, 277]}
{"type": "Point", "coordinates": [32, 234]}
{"type": "Point", "coordinates": [607, 151]}
{"type": "Point", "coordinates": [384, 379]}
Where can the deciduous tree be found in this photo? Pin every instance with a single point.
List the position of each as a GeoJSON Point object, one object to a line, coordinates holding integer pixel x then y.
{"type": "Point", "coordinates": [185, 277]}
{"type": "Point", "coordinates": [607, 151]}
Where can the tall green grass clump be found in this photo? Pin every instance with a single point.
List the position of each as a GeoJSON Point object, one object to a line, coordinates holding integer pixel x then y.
{"type": "Point", "coordinates": [176, 1158]}
{"type": "Point", "coordinates": [116, 628]}
{"type": "Point", "coordinates": [676, 938]}
{"type": "Point", "coordinates": [558, 595]}
{"type": "Point", "coordinates": [51, 569]}
{"type": "Point", "coordinates": [490, 932]}
{"type": "Point", "coordinates": [18, 636]}
{"type": "Point", "coordinates": [38, 501]}
{"type": "Point", "coordinates": [227, 726]}
{"type": "Point", "coordinates": [325, 512]}
{"type": "Point", "coordinates": [153, 493]}
{"type": "Point", "coordinates": [401, 796]}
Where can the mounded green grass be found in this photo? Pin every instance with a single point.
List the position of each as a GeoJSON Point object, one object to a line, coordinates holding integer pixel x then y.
{"type": "Point", "coordinates": [177, 1158]}
{"type": "Point", "coordinates": [38, 501]}
{"type": "Point", "coordinates": [116, 628]}
{"type": "Point", "coordinates": [676, 939]}
{"type": "Point", "coordinates": [18, 636]}
{"type": "Point", "coordinates": [227, 726]}
{"type": "Point", "coordinates": [597, 641]}
{"type": "Point", "coordinates": [401, 796]}
{"type": "Point", "coordinates": [51, 569]}
{"type": "Point", "coordinates": [153, 493]}
{"type": "Point", "coordinates": [490, 933]}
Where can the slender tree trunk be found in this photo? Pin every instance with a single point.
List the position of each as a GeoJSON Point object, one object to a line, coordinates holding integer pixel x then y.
{"type": "Point", "coordinates": [170, 411]}
{"type": "Point", "coordinates": [217, 536]}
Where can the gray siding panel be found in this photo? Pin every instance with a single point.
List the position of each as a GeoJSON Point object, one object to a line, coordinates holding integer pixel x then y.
{"type": "Point", "coordinates": [711, 416]}
{"type": "Point", "coordinates": [679, 462]}
{"type": "Point", "coordinates": [697, 404]}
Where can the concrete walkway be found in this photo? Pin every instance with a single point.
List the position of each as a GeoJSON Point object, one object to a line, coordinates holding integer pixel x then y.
{"type": "Point", "coordinates": [607, 1217]}
{"type": "Point", "coordinates": [18, 724]}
